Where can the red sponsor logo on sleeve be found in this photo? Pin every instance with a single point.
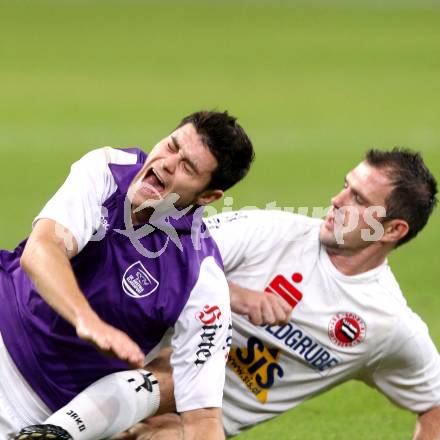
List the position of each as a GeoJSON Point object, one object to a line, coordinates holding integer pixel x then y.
{"type": "Point", "coordinates": [210, 318]}
{"type": "Point", "coordinates": [209, 315]}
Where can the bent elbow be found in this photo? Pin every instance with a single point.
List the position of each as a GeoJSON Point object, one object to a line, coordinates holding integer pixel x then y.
{"type": "Point", "coordinates": [27, 258]}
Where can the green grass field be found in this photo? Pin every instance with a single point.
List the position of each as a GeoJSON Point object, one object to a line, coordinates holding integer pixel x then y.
{"type": "Point", "coordinates": [314, 83]}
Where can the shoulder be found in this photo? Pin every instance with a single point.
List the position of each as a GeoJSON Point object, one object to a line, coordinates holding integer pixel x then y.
{"type": "Point", "coordinates": [260, 215]}
{"type": "Point", "coordinates": [408, 339]}
{"type": "Point", "coordinates": [389, 284]}
{"type": "Point", "coordinates": [100, 158]}
{"type": "Point", "coordinates": [275, 222]}
{"type": "Point", "coordinates": [124, 156]}
{"type": "Point", "coordinates": [394, 303]}
{"type": "Point", "coordinates": [211, 273]}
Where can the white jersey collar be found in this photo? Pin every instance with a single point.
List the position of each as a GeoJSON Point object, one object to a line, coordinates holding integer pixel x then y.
{"type": "Point", "coordinates": [364, 277]}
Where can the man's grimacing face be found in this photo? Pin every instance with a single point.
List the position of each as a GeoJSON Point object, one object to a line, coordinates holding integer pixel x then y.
{"type": "Point", "coordinates": [365, 186]}
{"type": "Point", "coordinates": [180, 163]}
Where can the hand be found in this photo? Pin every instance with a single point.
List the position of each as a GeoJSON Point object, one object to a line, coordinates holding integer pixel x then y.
{"type": "Point", "coordinates": [131, 434]}
{"type": "Point", "coordinates": [260, 307]}
{"type": "Point", "coordinates": [202, 424]}
{"type": "Point", "coordinates": [109, 339]}
{"type": "Point", "coordinates": [163, 427]}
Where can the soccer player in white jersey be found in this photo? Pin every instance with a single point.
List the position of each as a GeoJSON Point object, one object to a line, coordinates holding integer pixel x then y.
{"type": "Point", "coordinates": [349, 319]}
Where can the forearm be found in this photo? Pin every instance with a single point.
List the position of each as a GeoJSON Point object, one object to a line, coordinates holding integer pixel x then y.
{"type": "Point", "coordinates": [192, 425]}
{"type": "Point", "coordinates": [204, 431]}
{"type": "Point", "coordinates": [203, 424]}
{"type": "Point", "coordinates": [49, 268]}
{"type": "Point", "coordinates": [428, 425]}
{"type": "Point", "coordinates": [237, 295]}
{"type": "Point", "coordinates": [161, 368]}
{"type": "Point", "coordinates": [46, 259]}
{"type": "Point", "coordinates": [163, 427]}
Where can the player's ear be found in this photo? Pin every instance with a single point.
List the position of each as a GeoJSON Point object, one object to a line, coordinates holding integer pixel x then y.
{"type": "Point", "coordinates": [394, 230]}
{"type": "Point", "coordinates": [208, 196]}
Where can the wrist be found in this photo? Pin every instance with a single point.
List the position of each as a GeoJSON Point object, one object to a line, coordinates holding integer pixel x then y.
{"type": "Point", "coordinates": [239, 303]}
{"type": "Point", "coordinates": [83, 316]}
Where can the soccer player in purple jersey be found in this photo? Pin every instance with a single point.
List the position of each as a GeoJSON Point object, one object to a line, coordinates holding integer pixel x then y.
{"type": "Point", "coordinates": [116, 258]}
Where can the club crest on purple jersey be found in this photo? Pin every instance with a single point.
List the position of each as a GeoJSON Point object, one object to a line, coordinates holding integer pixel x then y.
{"type": "Point", "coordinates": [137, 282]}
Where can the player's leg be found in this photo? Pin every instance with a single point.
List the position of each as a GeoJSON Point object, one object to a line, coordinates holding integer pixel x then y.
{"type": "Point", "coordinates": [114, 403]}
{"type": "Point", "coordinates": [19, 404]}
{"type": "Point", "coordinates": [105, 408]}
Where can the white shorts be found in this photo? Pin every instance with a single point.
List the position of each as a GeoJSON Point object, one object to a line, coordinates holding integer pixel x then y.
{"type": "Point", "coordinates": [19, 404]}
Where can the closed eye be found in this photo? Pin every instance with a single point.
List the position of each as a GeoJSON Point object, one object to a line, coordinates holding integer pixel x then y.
{"type": "Point", "coordinates": [358, 198]}
{"type": "Point", "coordinates": [172, 147]}
{"type": "Point", "coordinates": [187, 168]}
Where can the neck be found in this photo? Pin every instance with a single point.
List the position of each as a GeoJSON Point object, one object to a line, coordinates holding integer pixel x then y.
{"type": "Point", "coordinates": [355, 262]}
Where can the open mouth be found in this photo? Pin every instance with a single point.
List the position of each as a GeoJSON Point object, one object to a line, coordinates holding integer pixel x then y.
{"type": "Point", "coordinates": [153, 180]}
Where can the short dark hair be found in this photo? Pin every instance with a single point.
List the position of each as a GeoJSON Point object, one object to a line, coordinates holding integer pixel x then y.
{"type": "Point", "coordinates": [228, 143]}
{"type": "Point", "coordinates": [413, 197]}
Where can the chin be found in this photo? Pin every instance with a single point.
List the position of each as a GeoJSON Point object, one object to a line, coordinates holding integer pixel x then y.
{"type": "Point", "coordinates": [328, 239]}
{"type": "Point", "coordinates": [150, 200]}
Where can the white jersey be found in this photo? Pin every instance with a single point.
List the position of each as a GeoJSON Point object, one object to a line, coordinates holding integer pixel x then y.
{"type": "Point", "coordinates": [342, 327]}
{"type": "Point", "coordinates": [202, 331]}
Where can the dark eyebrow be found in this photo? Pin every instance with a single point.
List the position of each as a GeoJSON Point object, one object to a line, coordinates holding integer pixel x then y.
{"type": "Point", "coordinates": [184, 157]}
{"type": "Point", "coordinates": [359, 193]}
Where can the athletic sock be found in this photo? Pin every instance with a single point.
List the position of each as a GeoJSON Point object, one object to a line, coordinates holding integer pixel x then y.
{"type": "Point", "coordinates": [109, 406]}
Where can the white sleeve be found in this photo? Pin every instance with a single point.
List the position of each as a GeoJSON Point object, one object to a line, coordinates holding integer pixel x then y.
{"type": "Point", "coordinates": [248, 236]}
{"type": "Point", "coordinates": [201, 340]}
{"type": "Point", "coordinates": [409, 374]}
{"type": "Point", "coordinates": [78, 202]}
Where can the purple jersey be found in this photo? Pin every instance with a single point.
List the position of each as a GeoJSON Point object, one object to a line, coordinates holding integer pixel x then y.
{"type": "Point", "coordinates": [141, 296]}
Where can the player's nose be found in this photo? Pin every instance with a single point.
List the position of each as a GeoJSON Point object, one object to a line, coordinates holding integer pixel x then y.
{"type": "Point", "coordinates": [169, 163]}
{"type": "Point", "coordinates": [337, 201]}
